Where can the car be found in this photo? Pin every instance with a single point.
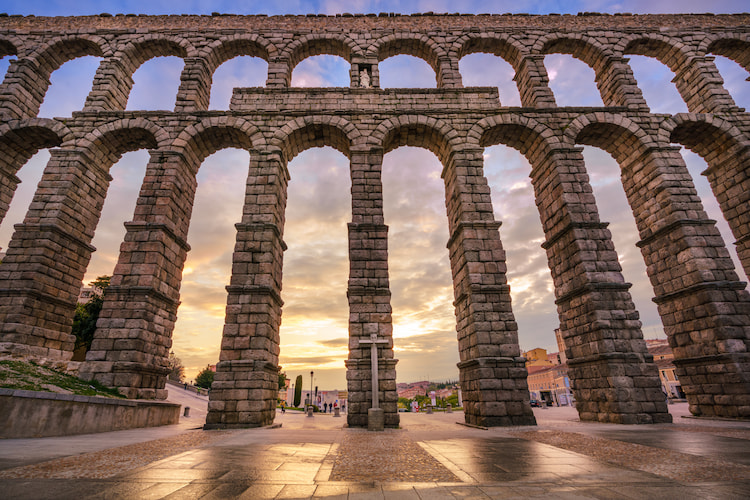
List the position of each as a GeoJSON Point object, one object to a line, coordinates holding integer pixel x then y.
{"type": "Point", "coordinates": [535, 404]}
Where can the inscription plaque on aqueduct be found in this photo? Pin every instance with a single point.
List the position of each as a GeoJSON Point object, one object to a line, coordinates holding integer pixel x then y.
{"type": "Point", "coordinates": [705, 308]}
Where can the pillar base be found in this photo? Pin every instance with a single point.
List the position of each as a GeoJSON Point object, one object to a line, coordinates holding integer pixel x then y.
{"type": "Point", "coordinates": [375, 419]}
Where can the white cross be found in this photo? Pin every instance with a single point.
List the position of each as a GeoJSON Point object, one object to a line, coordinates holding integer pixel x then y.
{"type": "Point", "coordinates": [374, 341]}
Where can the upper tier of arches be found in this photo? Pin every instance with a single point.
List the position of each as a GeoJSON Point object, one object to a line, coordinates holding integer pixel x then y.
{"type": "Point", "coordinates": [686, 55]}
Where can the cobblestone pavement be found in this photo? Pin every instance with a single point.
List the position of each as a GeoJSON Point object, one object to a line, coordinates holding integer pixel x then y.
{"type": "Point", "coordinates": [429, 457]}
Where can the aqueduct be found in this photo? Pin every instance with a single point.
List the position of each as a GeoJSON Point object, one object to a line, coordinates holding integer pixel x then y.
{"type": "Point", "coordinates": [704, 307]}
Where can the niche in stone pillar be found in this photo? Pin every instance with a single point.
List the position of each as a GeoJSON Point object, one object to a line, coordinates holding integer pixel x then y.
{"type": "Point", "coordinates": [365, 76]}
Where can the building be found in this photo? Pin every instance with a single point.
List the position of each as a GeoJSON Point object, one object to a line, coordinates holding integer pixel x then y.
{"type": "Point", "coordinates": [550, 385]}
{"type": "Point", "coordinates": [664, 360]}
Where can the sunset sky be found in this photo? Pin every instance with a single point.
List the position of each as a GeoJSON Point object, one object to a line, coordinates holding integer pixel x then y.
{"type": "Point", "coordinates": [315, 315]}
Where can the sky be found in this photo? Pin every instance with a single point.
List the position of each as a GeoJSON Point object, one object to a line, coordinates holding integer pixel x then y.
{"type": "Point", "coordinates": [315, 315]}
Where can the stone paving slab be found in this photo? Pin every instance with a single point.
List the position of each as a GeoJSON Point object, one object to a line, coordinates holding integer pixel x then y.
{"type": "Point", "coordinates": [299, 461]}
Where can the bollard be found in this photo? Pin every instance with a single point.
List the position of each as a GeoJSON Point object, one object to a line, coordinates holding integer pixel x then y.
{"type": "Point", "coordinates": [449, 408]}
{"type": "Point", "coordinates": [187, 412]}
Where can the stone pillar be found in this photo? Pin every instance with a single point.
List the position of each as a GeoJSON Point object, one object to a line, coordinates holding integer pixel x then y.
{"type": "Point", "coordinates": [491, 370]}
{"type": "Point", "coordinates": [23, 89]}
{"type": "Point", "coordinates": [701, 86]}
{"type": "Point", "coordinates": [279, 73]}
{"type": "Point", "coordinates": [705, 309]}
{"type": "Point", "coordinates": [131, 344]}
{"type": "Point", "coordinates": [617, 85]}
{"type": "Point", "coordinates": [446, 77]}
{"type": "Point", "coordinates": [8, 184]}
{"type": "Point", "coordinates": [111, 88]}
{"type": "Point", "coordinates": [730, 183]}
{"type": "Point", "coordinates": [533, 83]}
{"type": "Point", "coordinates": [612, 375]}
{"type": "Point", "coordinates": [195, 86]}
{"type": "Point", "coordinates": [246, 382]}
{"type": "Point", "coordinates": [369, 294]}
{"type": "Point", "coordinates": [41, 274]}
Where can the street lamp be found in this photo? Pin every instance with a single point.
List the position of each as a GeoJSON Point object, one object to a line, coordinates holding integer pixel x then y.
{"type": "Point", "coordinates": [311, 388]}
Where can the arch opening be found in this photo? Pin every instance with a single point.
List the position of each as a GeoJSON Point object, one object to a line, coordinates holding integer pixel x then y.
{"type": "Point", "coordinates": [735, 80]}
{"type": "Point", "coordinates": [406, 71]}
{"type": "Point", "coordinates": [321, 71]}
{"type": "Point", "coordinates": [217, 207]}
{"type": "Point", "coordinates": [424, 322]}
{"type": "Point", "coordinates": [654, 78]}
{"type": "Point", "coordinates": [69, 86]}
{"type": "Point", "coordinates": [489, 70]}
{"type": "Point", "coordinates": [155, 84]}
{"type": "Point", "coordinates": [572, 81]}
{"type": "Point", "coordinates": [241, 71]}
{"type": "Point", "coordinates": [531, 285]}
{"type": "Point", "coordinates": [314, 329]}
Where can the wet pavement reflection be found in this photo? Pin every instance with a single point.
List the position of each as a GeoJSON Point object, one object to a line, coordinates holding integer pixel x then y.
{"type": "Point", "coordinates": [429, 457]}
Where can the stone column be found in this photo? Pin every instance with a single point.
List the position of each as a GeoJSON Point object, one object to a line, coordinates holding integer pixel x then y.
{"type": "Point", "coordinates": [730, 183]}
{"type": "Point", "coordinates": [446, 77]}
{"type": "Point", "coordinates": [195, 86]}
{"type": "Point", "coordinates": [612, 375]}
{"type": "Point", "coordinates": [617, 85]}
{"type": "Point", "coordinates": [701, 86]}
{"type": "Point", "coordinates": [131, 344]}
{"type": "Point", "coordinates": [41, 274]}
{"type": "Point", "coordinates": [369, 294]}
{"type": "Point", "coordinates": [704, 307]}
{"type": "Point", "coordinates": [23, 89]}
{"type": "Point", "coordinates": [8, 184]}
{"type": "Point", "coordinates": [245, 386]}
{"type": "Point", "coordinates": [492, 372]}
{"type": "Point", "coordinates": [111, 88]}
{"type": "Point", "coordinates": [279, 73]}
{"type": "Point", "coordinates": [533, 83]}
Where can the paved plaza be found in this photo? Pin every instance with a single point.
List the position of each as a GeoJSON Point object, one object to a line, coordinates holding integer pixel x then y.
{"type": "Point", "coordinates": [431, 456]}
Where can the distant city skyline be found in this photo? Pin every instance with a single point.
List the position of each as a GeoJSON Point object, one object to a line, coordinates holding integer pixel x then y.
{"type": "Point", "coordinates": [314, 327]}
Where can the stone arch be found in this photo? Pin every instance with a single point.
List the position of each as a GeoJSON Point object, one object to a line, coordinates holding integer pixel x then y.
{"type": "Point", "coordinates": [315, 45]}
{"type": "Point", "coordinates": [110, 141]}
{"type": "Point", "coordinates": [618, 135]}
{"type": "Point", "coordinates": [115, 74]}
{"type": "Point", "coordinates": [727, 153]}
{"type": "Point", "coordinates": [204, 138]}
{"type": "Point", "coordinates": [587, 279]}
{"type": "Point", "coordinates": [430, 133]}
{"type": "Point", "coordinates": [60, 50]}
{"type": "Point", "coordinates": [736, 48]}
{"type": "Point", "coordinates": [221, 51]}
{"type": "Point", "coordinates": [499, 44]}
{"type": "Point", "coordinates": [527, 135]}
{"type": "Point", "coordinates": [417, 45]}
{"type": "Point", "coordinates": [667, 50]}
{"type": "Point", "coordinates": [316, 131]}
{"type": "Point", "coordinates": [613, 77]}
{"type": "Point", "coordinates": [24, 94]}
{"type": "Point", "coordinates": [502, 45]}
{"type": "Point", "coordinates": [696, 77]}
{"type": "Point", "coordinates": [19, 141]}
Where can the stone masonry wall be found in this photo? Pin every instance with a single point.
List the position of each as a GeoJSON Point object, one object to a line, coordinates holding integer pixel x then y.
{"type": "Point", "coordinates": [704, 307]}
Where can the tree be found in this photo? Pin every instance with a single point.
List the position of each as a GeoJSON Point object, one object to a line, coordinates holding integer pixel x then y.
{"type": "Point", "coordinates": [177, 372]}
{"type": "Point", "coordinates": [86, 315]}
{"type": "Point", "coordinates": [205, 378]}
{"type": "Point", "coordinates": [282, 380]}
{"type": "Point", "coordinates": [297, 390]}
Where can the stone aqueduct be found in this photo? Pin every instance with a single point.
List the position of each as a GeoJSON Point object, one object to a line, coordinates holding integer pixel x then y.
{"type": "Point", "coordinates": [704, 307]}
